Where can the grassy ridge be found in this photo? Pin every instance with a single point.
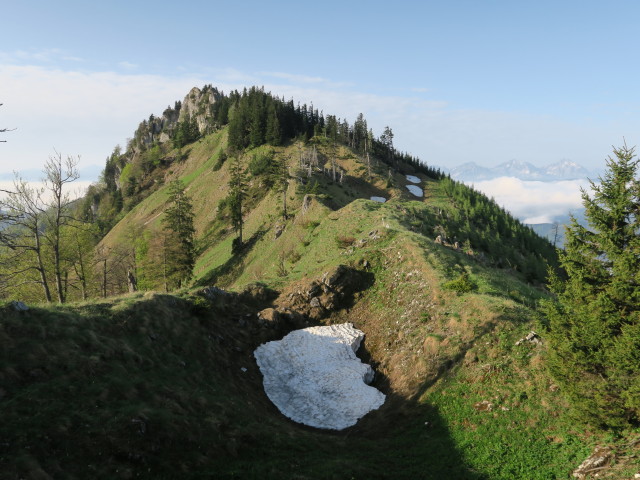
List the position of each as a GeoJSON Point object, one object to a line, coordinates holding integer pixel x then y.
{"type": "Point", "coordinates": [165, 386]}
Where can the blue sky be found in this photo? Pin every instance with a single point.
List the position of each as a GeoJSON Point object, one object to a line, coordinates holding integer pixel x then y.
{"type": "Point", "coordinates": [458, 81]}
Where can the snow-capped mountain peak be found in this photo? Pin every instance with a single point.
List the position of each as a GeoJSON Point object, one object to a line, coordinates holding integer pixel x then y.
{"type": "Point", "coordinates": [562, 170]}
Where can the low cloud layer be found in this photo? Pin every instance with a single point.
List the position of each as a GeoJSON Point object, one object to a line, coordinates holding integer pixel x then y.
{"type": "Point", "coordinates": [535, 202]}
{"type": "Point", "coordinates": [75, 190]}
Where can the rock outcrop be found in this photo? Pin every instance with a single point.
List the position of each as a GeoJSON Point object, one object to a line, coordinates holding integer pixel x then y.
{"type": "Point", "coordinates": [318, 298]}
{"type": "Point", "coordinates": [197, 105]}
{"type": "Point", "coordinates": [314, 377]}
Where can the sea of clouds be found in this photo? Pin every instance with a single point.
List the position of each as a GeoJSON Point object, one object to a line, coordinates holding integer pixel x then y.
{"type": "Point", "coordinates": [532, 201]}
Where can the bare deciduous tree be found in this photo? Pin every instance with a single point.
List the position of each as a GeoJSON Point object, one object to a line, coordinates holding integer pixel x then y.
{"type": "Point", "coordinates": [32, 220]}
{"type": "Point", "coordinates": [58, 174]}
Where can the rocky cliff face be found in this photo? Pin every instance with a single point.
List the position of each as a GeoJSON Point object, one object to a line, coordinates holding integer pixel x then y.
{"type": "Point", "coordinates": [198, 104]}
{"type": "Point", "coordinates": [156, 129]}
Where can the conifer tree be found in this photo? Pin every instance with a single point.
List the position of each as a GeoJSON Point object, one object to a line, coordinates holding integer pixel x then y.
{"type": "Point", "coordinates": [280, 179]}
{"type": "Point", "coordinates": [180, 244]}
{"type": "Point", "coordinates": [238, 189]}
{"type": "Point", "coordinates": [594, 327]}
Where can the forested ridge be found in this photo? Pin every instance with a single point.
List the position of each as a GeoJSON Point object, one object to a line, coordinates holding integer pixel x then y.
{"type": "Point", "coordinates": [256, 123]}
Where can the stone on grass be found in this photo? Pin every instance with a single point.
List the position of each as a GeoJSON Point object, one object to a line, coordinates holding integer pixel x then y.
{"type": "Point", "coordinates": [379, 199]}
{"type": "Point", "coordinates": [314, 377]}
{"type": "Point", "coordinates": [19, 306]}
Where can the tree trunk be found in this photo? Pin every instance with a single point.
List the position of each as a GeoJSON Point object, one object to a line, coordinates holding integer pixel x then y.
{"type": "Point", "coordinates": [40, 268]}
{"type": "Point", "coordinates": [104, 278]}
{"type": "Point", "coordinates": [57, 272]}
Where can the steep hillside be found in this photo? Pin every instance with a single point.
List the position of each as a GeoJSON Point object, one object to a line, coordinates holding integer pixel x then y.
{"type": "Point", "coordinates": [444, 284]}
{"type": "Point", "coordinates": [161, 386]}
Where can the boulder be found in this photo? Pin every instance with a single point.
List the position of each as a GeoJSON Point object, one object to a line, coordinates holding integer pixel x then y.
{"type": "Point", "coordinates": [19, 306]}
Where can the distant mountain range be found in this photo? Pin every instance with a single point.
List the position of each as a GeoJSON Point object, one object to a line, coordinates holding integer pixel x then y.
{"type": "Point", "coordinates": [562, 170]}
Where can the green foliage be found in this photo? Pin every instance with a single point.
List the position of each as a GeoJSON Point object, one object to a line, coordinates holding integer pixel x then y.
{"type": "Point", "coordinates": [180, 240]}
{"type": "Point", "coordinates": [152, 158]}
{"type": "Point", "coordinates": [222, 157]}
{"type": "Point", "coordinates": [129, 179]}
{"type": "Point", "coordinates": [237, 194]}
{"type": "Point", "coordinates": [594, 327]}
{"type": "Point", "coordinates": [261, 163]}
{"type": "Point", "coordinates": [310, 187]}
{"type": "Point", "coordinates": [462, 284]}
{"type": "Point", "coordinates": [186, 132]}
{"type": "Point", "coordinates": [484, 226]}
{"type": "Point", "coordinates": [258, 118]}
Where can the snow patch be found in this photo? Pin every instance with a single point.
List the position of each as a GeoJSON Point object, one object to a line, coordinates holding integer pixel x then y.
{"type": "Point", "coordinates": [314, 377]}
{"type": "Point", "coordinates": [413, 179]}
{"type": "Point", "coordinates": [379, 199]}
{"type": "Point", "coordinates": [417, 191]}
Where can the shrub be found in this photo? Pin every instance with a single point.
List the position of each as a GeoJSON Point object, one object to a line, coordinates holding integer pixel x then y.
{"type": "Point", "coordinates": [221, 159]}
{"type": "Point", "coordinates": [462, 284]}
{"type": "Point", "coordinates": [260, 163]}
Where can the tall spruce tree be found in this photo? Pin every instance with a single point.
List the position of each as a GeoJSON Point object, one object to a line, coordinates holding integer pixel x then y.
{"type": "Point", "coordinates": [594, 326]}
{"type": "Point", "coordinates": [237, 193]}
{"type": "Point", "coordinates": [180, 238]}
{"type": "Point", "coordinates": [280, 178]}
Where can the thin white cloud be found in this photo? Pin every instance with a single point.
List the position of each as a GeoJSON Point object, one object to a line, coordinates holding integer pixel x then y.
{"type": "Point", "coordinates": [128, 65]}
{"type": "Point", "coordinates": [75, 190]}
{"type": "Point", "coordinates": [88, 113]}
{"type": "Point", "coordinates": [43, 56]}
{"type": "Point", "coordinates": [294, 78]}
{"type": "Point", "coordinates": [77, 113]}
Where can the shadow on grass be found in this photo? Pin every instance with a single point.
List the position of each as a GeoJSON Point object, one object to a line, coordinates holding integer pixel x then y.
{"type": "Point", "coordinates": [225, 273]}
{"type": "Point", "coordinates": [405, 438]}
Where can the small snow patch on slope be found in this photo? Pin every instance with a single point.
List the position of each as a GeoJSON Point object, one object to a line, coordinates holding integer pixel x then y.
{"type": "Point", "coordinates": [417, 191]}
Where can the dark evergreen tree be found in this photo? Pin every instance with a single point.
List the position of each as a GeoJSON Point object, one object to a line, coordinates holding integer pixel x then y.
{"type": "Point", "coordinates": [237, 193]}
{"type": "Point", "coordinates": [594, 326]}
{"type": "Point", "coordinates": [280, 181]}
{"type": "Point", "coordinates": [273, 135]}
{"type": "Point", "coordinates": [187, 132]}
{"type": "Point", "coordinates": [180, 235]}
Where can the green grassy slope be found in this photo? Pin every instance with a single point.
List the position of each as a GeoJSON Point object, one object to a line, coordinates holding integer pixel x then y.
{"type": "Point", "coordinates": [165, 386]}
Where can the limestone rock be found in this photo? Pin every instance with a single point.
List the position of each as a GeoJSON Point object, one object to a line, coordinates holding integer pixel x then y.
{"type": "Point", "coordinates": [531, 337]}
{"type": "Point", "coordinates": [599, 459]}
{"type": "Point", "coordinates": [314, 377]}
{"type": "Point", "coordinates": [197, 105]}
